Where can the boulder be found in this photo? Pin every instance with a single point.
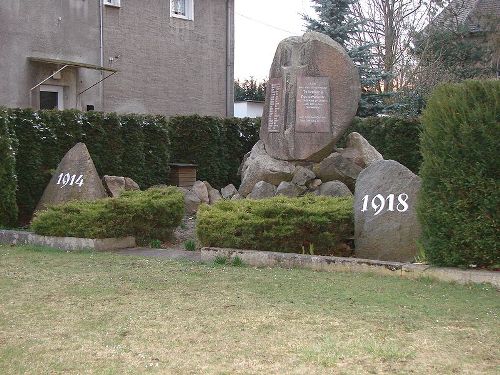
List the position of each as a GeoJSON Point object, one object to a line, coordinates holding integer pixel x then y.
{"type": "Point", "coordinates": [311, 99]}
{"type": "Point", "coordinates": [114, 185]}
{"type": "Point", "coordinates": [302, 176]}
{"type": "Point", "coordinates": [261, 190]}
{"type": "Point", "coordinates": [290, 189]}
{"type": "Point", "coordinates": [201, 191]}
{"type": "Point", "coordinates": [191, 202]}
{"type": "Point", "coordinates": [131, 184]}
{"type": "Point", "coordinates": [259, 166]}
{"type": "Point", "coordinates": [385, 218]}
{"type": "Point", "coordinates": [367, 152]}
{"type": "Point", "coordinates": [74, 179]}
{"type": "Point", "coordinates": [229, 191]}
{"type": "Point", "coordinates": [314, 184]}
{"type": "Point", "coordinates": [236, 197]}
{"type": "Point", "coordinates": [213, 194]}
{"type": "Point", "coordinates": [338, 168]}
{"type": "Point", "coordinates": [334, 189]}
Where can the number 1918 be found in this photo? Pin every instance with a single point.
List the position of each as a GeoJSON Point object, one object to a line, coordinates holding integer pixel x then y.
{"type": "Point", "coordinates": [378, 203]}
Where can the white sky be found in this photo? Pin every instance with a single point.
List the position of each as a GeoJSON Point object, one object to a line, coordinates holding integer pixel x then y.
{"type": "Point", "coordinates": [259, 26]}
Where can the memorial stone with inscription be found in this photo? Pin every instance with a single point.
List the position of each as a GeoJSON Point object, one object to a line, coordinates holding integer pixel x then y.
{"type": "Point", "coordinates": [312, 97]}
{"type": "Point", "coordinates": [75, 179]}
{"type": "Point", "coordinates": [385, 220]}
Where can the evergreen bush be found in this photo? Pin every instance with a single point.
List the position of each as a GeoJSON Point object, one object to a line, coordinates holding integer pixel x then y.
{"type": "Point", "coordinates": [281, 224]}
{"type": "Point", "coordinates": [147, 215]}
{"type": "Point", "coordinates": [460, 198]}
{"type": "Point", "coordinates": [8, 180]}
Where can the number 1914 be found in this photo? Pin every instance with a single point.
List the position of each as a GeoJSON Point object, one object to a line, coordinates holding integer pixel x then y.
{"type": "Point", "coordinates": [66, 179]}
{"type": "Point", "coordinates": [378, 203]}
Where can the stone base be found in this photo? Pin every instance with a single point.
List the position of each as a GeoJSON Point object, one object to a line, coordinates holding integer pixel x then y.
{"type": "Point", "coordinates": [12, 237]}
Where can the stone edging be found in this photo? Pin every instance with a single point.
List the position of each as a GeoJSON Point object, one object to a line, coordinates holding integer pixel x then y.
{"type": "Point", "coordinates": [332, 264]}
{"type": "Point", "coordinates": [13, 237]}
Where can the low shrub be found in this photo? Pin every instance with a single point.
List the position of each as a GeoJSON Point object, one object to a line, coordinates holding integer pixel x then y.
{"type": "Point", "coordinates": [277, 224]}
{"type": "Point", "coordinates": [460, 200]}
{"type": "Point", "coordinates": [147, 215]}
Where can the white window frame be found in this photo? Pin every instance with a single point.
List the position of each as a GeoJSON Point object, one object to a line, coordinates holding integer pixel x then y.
{"type": "Point", "coordinates": [112, 3]}
{"type": "Point", "coordinates": [60, 94]}
{"type": "Point", "coordinates": [189, 10]}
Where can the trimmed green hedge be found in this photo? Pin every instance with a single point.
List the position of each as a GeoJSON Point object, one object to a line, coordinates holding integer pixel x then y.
{"type": "Point", "coordinates": [136, 146]}
{"type": "Point", "coordinates": [460, 199]}
{"type": "Point", "coordinates": [8, 180]}
{"type": "Point", "coordinates": [147, 215]}
{"type": "Point", "coordinates": [216, 145]}
{"type": "Point", "coordinates": [278, 224]}
{"type": "Point", "coordinates": [396, 138]}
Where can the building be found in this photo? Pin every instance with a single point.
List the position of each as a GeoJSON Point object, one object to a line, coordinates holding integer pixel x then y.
{"type": "Point", "coordinates": [146, 56]}
{"type": "Point", "coordinates": [481, 20]}
{"type": "Point", "coordinates": [248, 108]}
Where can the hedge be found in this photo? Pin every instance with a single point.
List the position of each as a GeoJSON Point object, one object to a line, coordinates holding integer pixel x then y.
{"type": "Point", "coordinates": [460, 200]}
{"type": "Point", "coordinates": [309, 223]}
{"type": "Point", "coordinates": [8, 180]}
{"type": "Point", "coordinates": [396, 138]}
{"type": "Point", "coordinates": [136, 146]}
{"type": "Point", "coordinates": [147, 215]}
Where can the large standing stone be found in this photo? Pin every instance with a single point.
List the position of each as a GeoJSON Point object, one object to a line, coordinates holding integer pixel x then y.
{"type": "Point", "coordinates": [200, 189]}
{"type": "Point", "coordinates": [74, 179]}
{"type": "Point", "coordinates": [259, 166]}
{"type": "Point", "coordinates": [386, 225]}
{"type": "Point", "coordinates": [311, 98]}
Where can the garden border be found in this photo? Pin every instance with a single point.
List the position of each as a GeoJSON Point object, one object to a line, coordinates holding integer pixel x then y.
{"type": "Point", "coordinates": [14, 237]}
{"type": "Point", "coordinates": [334, 264]}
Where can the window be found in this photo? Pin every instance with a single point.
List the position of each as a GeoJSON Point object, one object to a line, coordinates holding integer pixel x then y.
{"type": "Point", "coordinates": [113, 3]}
{"type": "Point", "coordinates": [51, 97]}
{"type": "Point", "coordinates": [182, 9]}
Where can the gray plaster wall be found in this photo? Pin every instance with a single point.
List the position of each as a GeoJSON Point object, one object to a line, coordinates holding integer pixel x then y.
{"type": "Point", "coordinates": [55, 29]}
{"type": "Point", "coordinates": [169, 65]}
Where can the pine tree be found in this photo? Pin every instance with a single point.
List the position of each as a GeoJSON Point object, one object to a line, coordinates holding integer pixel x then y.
{"type": "Point", "coordinates": [337, 20]}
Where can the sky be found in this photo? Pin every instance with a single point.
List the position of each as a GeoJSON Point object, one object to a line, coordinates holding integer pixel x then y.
{"type": "Point", "coordinates": [259, 27]}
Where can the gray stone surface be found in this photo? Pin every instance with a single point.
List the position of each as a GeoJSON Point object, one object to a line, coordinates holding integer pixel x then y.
{"type": "Point", "coordinates": [131, 184]}
{"type": "Point", "coordinates": [236, 197]}
{"type": "Point", "coordinates": [290, 189]}
{"type": "Point", "coordinates": [259, 166]}
{"type": "Point", "coordinates": [336, 167]}
{"type": "Point", "coordinates": [114, 185]}
{"type": "Point", "coordinates": [65, 243]}
{"type": "Point", "coordinates": [191, 202]}
{"type": "Point", "coordinates": [314, 184]}
{"type": "Point", "coordinates": [334, 189]}
{"type": "Point", "coordinates": [367, 152]}
{"type": "Point", "coordinates": [82, 181]}
{"type": "Point", "coordinates": [261, 190]}
{"type": "Point", "coordinates": [201, 191]}
{"type": "Point", "coordinates": [390, 233]}
{"type": "Point", "coordinates": [302, 176]}
{"type": "Point", "coordinates": [228, 191]}
{"type": "Point", "coordinates": [313, 56]}
{"type": "Point", "coordinates": [213, 194]}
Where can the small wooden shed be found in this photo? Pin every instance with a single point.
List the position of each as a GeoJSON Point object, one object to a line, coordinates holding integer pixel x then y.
{"type": "Point", "coordinates": [183, 175]}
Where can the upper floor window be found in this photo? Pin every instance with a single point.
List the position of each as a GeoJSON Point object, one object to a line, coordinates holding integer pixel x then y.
{"type": "Point", "coordinates": [182, 9]}
{"type": "Point", "coordinates": [114, 3]}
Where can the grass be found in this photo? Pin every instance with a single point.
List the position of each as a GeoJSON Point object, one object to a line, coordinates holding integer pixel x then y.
{"type": "Point", "coordinates": [103, 313]}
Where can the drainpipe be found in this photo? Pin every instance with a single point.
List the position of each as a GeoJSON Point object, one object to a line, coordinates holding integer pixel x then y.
{"type": "Point", "coordinates": [229, 64]}
{"type": "Point", "coordinates": [101, 50]}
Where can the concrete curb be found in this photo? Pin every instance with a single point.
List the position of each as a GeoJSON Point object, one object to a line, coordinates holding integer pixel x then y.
{"type": "Point", "coordinates": [334, 264]}
{"type": "Point", "coordinates": [13, 237]}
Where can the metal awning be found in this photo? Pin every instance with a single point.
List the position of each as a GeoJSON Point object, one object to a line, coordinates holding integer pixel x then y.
{"type": "Point", "coordinates": [75, 64]}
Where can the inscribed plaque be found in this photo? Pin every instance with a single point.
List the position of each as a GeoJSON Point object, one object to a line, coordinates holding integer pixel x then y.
{"type": "Point", "coordinates": [313, 105]}
{"type": "Point", "coordinates": [275, 118]}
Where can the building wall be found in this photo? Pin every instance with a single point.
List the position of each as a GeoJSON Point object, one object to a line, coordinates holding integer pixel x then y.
{"type": "Point", "coordinates": [65, 30]}
{"type": "Point", "coordinates": [168, 65]}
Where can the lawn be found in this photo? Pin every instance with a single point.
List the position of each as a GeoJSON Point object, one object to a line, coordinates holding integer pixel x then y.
{"type": "Point", "coordinates": [108, 314]}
